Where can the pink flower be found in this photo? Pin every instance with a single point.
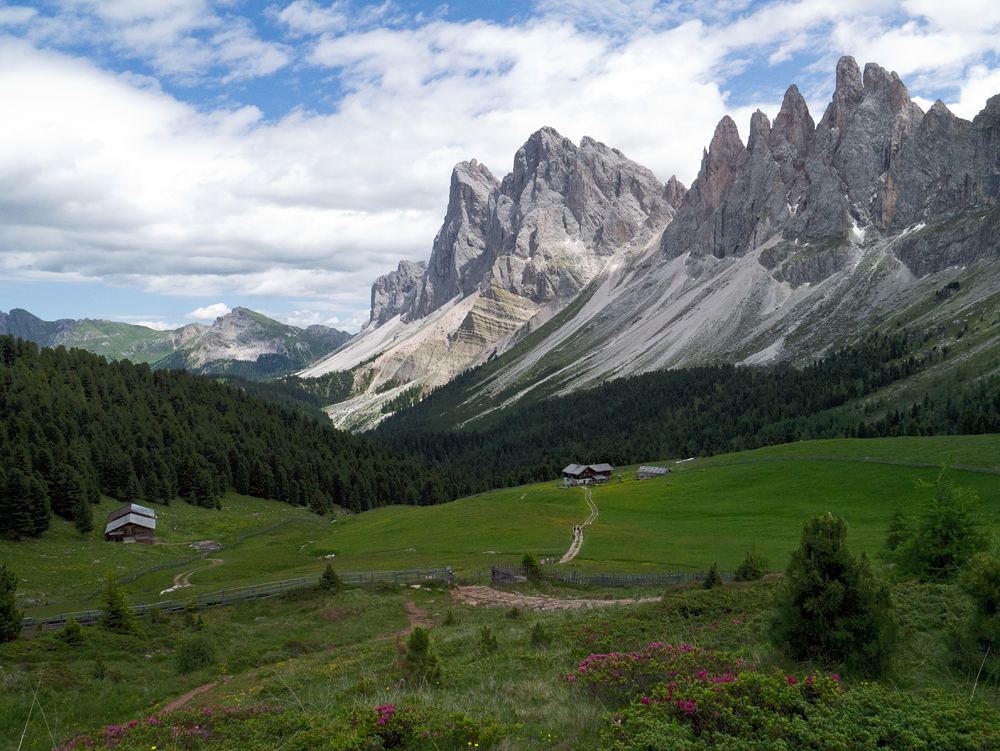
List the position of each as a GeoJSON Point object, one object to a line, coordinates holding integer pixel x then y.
{"type": "Point", "coordinates": [646, 700]}
{"type": "Point", "coordinates": [791, 680]}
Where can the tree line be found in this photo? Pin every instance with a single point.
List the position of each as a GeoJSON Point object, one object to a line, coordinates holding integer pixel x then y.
{"type": "Point", "coordinates": [74, 426]}
{"type": "Point", "coordinates": [689, 412]}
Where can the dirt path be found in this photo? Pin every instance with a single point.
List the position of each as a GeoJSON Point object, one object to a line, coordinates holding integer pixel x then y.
{"type": "Point", "coordinates": [180, 701]}
{"type": "Point", "coordinates": [487, 597]}
{"type": "Point", "coordinates": [182, 579]}
{"type": "Point", "coordinates": [417, 617]}
{"type": "Point", "coordinates": [577, 543]}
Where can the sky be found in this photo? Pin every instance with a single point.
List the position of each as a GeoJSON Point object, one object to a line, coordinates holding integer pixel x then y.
{"type": "Point", "coordinates": [163, 162]}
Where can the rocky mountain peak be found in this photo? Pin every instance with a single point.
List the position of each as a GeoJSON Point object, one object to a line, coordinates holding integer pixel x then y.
{"type": "Point", "coordinates": [794, 125]}
{"type": "Point", "coordinates": [760, 131]}
{"type": "Point", "coordinates": [847, 96]}
{"type": "Point", "coordinates": [674, 191]}
{"type": "Point", "coordinates": [395, 292]}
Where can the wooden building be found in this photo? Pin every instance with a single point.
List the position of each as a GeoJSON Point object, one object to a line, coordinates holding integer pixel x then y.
{"type": "Point", "coordinates": [131, 523]}
{"type": "Point", "coordinates": [646, 473]}
{"type": "Point", "coordinates": [587, 474]}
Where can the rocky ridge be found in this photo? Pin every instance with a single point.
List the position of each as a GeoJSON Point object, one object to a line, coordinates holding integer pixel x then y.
{"type": "Point", "coordinates": [240, 337]}
{"type": "Point", "coordinates": [804, 236]}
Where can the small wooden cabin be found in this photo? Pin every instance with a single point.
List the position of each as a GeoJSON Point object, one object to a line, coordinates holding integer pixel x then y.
{"type": "Point", "coordinates": [587, 474]}
{"type": "Point", "coordinates": [131, 523]}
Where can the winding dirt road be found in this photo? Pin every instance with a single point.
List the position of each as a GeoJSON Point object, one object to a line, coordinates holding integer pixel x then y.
{"type": "Point", "coordinates": [181, 580]}
{"type": "Point", "coordinates": [574, 548]}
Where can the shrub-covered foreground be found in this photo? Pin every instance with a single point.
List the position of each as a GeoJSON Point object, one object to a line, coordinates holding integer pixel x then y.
{"type": "Point", "coordinates": [693, 671]}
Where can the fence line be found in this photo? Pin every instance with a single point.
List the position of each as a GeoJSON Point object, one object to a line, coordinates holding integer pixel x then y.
{"type": "Point", "coordinates": [201, 556]}
{"type": "Point", "coordinates": [251, 592]}
{"type": "Point", "coordinates": [513, 573]}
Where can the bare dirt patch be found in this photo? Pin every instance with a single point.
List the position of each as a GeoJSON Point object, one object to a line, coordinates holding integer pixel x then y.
{"type": "Point", "coordinates": [338, 614]}
{"type": "Point", "coordinates": [487, 597]}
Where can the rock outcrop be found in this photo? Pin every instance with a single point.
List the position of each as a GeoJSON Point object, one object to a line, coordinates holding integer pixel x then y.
{"type": "Point", "coordinates": [541, 233]}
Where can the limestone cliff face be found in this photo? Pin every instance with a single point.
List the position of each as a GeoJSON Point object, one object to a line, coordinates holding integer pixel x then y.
{"type": "Point", "coordinates": [506, 250]}
{"type": "Point", "coordinates": [396, 292]}
{"type": "Point", "coordinates": [875, 162]}
{"type": "Point", "coordinates": [541, 233]}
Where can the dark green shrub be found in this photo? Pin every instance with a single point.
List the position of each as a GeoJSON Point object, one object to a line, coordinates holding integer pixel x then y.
{"type": "Point", "coordinates": [118, 616]}
{"type": "Point", "coordinates": [10, 616]}
{"type": "Point", "coordinates": [946, 534]}
{"type": "Point", "coordinates": [157, 616]}
{"type": "Point", "coordinates": [329, 580]}
{"type": "Point", "coordinates": [449, 619]}
{"type": "Point", "coordinates": [488, 643]}
{"type": "Point", "coordinates": [752, 568]}
{"type": "Point", "coordinates": [72, 633]}
{"type": "Point", "coordinates": [713, 579]}
{"type": "Point", "coordinates": [420, 664]}
{"type": "Point", "coordinates": [530, 563]}
{"type": "Point", "coordinates": [981, 581]}
{"type": "Point", "coordinates": [832, 608]}
{"type": "Point", "coordinates": [194, 652]}
{"type": "Point", "coordinates": [540, 636]}
{"type": "Point", "coordinates": [514, 613]}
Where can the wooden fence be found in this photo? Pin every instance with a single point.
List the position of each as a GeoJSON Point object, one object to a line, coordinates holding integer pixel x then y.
{"type": "Point", "coordinates": [252, 592]}
{"type": "Point", "coordinates": [513, 573]}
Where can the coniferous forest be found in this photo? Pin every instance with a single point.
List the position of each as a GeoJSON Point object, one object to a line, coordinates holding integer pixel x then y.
{"type": "Point", "coordinates": [689, 412]}
{"type": "Point", "coordinates": [73, 426]}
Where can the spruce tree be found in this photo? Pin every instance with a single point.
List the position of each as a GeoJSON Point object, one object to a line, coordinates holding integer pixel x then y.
{"type": "Point", "coordinates": [832, 607]}
{"type": "Point", "coordinates": [10, 616]}
{"type": "Point", "coordinates": [118, 616]}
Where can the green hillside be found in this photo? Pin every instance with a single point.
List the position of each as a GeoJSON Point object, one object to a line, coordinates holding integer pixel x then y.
{"type": "Point", "coordinates": [699, 515]}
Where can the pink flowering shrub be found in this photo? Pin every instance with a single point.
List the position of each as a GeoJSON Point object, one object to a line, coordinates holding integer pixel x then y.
{"type": "Point", "coordinates": [393, 726]}
{"type": "Point", "coordinates": [182, 729]}
{"type": "Point", "coordinates": [620, 677]}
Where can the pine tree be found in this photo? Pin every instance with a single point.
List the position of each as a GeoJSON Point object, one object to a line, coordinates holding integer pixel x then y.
{"type": "Point", "coordinates": [832, 607]}
{"type": "Point", "coordinates": [118, 616]}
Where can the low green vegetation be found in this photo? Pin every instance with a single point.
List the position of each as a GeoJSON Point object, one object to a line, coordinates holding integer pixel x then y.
{"type": "Point", "coordinates": [317, 670]}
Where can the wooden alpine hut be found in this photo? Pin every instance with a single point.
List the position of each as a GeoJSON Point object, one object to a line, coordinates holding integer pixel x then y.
{"type": "Point", "coordinates": [131, 523]}
{"type": "Point", "coordinates": [587, 474]}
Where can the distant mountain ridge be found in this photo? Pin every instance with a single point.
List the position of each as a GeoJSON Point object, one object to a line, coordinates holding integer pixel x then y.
{"type": "Point", "coordinates": [579, 266]}
{"type": "Point", "coordinates": [241, 342]}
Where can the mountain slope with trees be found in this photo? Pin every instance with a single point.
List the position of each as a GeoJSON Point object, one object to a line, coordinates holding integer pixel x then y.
{"type": "Point", "coordinates": [73, 425]}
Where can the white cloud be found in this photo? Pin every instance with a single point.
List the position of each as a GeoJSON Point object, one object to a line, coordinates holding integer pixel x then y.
{"type": "Point", "coordinates": [209, 312]}
{"type": "Point", "coordinates": [108, 177]}
{"type": "Point", "coordinates": [158, 325]}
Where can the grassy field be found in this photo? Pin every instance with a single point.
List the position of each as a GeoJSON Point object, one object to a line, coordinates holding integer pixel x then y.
{"type": "Point", "coordinates": [323, 656]}
{"type": "Point", "coordinates": [712, 510]}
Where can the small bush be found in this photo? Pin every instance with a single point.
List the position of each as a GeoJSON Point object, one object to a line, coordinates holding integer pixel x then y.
{"type": "Point", "coordinates": [488, 643]}
{"type": "Point", "coordinates": [329, 581]}
{"type": "Point", "coordinates": [714, 579]}
{"type": "Point", "coordinates": [514, 613]}
{"type": "Point", "coordinates": [449, 619]}
{"type": "Point", "coordinates": [751, 569]}
{"type": "Point", "coordinates": [157, 616]}
{"type": "Point", "coordinates": [531, 566]}
{"type": "Point", "coordinates": [72, 633]}
{"type": "Point", "coordinates": [194, 652]}
{"type": "Point", "coordinates": [540, 636]}
{"type": "Point", "coordinates": [981, 581]}
{"type": "Point", "coordinates": [420, 664]}
{"type": "Point", "coordinates": [100, 669]}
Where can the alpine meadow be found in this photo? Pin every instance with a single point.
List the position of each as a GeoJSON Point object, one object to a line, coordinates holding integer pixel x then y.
{"type": "Point", "coordinates": [609, 463]}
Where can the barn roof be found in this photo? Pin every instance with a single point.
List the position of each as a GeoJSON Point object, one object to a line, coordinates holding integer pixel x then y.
{"type": "Point", "coordinates": [653, 470]}
{"type": "Point", "coordinates": [574, 469]}
{"type": "Point", "coordinates": [138, 519]}
{"type": "Point", "coordinates": [601, 467]}
{"type": "Point", "coordinates": [132, 508]}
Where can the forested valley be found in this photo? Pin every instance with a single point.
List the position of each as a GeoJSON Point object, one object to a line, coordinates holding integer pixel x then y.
{"type": "Point", "coordinates": [74, 426]}
{"type": "Point", "coordinates": [692, 411]}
